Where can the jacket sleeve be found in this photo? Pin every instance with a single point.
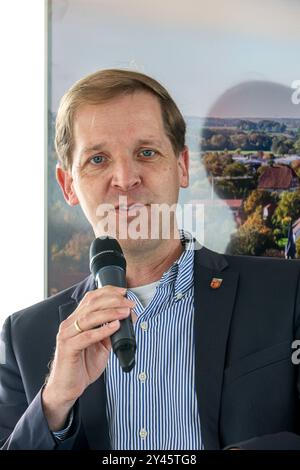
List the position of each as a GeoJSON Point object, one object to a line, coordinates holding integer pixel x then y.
{"type": "Point", "coordinates": [278, 441]}
{"type": "Point", "coordinates": [22, 424]}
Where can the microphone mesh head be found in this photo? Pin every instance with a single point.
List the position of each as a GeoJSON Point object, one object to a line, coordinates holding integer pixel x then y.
{"type": "Point", "coordinates": [105, 251]}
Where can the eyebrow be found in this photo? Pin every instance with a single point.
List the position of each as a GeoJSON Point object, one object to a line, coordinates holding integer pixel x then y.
{"type": "Point", "coordinates": [149, 141]}
{"type": "Point", "coordinates": [93, 148]}
{"type": "Point", "coordinates": [98, 147]}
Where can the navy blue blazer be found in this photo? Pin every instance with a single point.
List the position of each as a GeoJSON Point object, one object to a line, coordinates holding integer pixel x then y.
{"type": "Point", "coordinates": [247, 386]}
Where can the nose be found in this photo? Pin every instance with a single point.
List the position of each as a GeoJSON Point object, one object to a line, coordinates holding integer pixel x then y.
{"type": "Point", "coordinates": [125, 175]}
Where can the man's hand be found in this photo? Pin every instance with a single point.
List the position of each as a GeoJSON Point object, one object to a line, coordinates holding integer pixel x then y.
{"type": "Point", "coordinates": [80, 358]}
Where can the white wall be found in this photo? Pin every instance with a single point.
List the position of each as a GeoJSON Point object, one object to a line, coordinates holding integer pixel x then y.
{"type": "Point", "coordinates": [22, 124]}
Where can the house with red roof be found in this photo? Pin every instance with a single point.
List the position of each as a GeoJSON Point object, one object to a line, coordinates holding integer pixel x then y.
{"type": "Point", "coordinates": [279, 178]}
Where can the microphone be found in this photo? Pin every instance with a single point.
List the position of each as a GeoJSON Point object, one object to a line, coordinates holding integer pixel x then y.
{"type": "Point", "coordinates": [108, 266]}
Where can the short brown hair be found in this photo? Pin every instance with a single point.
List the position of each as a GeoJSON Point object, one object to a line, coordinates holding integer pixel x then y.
{"type": "Point", "coordinates": [101, 87]}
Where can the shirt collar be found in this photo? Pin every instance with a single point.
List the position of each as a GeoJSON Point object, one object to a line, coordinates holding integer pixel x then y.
{"type": "Point", "coordinates": [181, 271]}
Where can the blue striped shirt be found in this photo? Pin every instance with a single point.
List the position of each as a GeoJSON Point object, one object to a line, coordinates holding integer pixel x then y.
{"type": "Point", "coordinates": [155, 405]}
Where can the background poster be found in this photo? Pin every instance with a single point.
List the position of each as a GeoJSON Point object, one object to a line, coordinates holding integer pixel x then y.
{"type": "Point", "coordinates": [230, 66]}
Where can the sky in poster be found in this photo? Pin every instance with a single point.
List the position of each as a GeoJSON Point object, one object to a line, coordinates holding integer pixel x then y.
{"type": "Point", "coordinates": [197, 48]}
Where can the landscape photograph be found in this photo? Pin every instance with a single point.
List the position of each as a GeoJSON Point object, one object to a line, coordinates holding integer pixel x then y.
{"type": "Point", "coordinates": [231, 75]}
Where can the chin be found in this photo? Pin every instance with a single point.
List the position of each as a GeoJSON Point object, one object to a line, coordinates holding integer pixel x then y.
{"type": "Point", "coordinates": [138, 246]}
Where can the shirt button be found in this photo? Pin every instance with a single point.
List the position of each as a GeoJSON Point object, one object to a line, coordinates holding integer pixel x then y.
{"type": "Point", "coordinates": [179, 295]}
{"type": "Point", "coordinates": [144, 326]}
{"type": "Point", "coordinates": [143, 433]}
{"type": "Point", "coordinates": [142, 376]}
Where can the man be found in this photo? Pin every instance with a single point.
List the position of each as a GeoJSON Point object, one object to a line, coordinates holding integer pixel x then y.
{"type": "Point", "coordinates": [214, 333]}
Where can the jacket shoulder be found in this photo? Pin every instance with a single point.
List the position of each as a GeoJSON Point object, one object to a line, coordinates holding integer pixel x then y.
{"type": "Point", "coordinates": [47, 309]}
{"type": "Point", "coordinates": [262, 261]}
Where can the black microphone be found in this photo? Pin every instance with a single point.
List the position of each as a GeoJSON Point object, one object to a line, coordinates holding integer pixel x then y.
{"type": "Point", "coordinates": [108, 266]}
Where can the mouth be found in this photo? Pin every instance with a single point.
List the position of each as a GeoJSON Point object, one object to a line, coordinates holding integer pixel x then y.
{"type": "Point", "coordinates": [129, 209]}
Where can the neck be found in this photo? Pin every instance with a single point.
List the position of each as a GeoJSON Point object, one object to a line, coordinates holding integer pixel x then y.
{"type": "Point", "coordinates": [159, 259]}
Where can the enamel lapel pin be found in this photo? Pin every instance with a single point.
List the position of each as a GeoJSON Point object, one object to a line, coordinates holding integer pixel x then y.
{"type": "Point", "coordinates": [216, 283]}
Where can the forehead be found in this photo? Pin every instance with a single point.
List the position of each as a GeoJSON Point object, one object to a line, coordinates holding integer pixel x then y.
{"type": "Point", "coordinates": [128, 114]}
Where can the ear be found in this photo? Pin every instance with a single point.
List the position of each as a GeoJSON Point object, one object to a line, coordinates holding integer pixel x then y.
{"type": "Point", "coordinates": [183, 162]}
{"type": "Point", "coordinates": [65, 181]}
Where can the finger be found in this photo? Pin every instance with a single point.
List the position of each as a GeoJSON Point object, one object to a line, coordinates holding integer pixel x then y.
{"type": "Point", "coordinates": [90, 337]}
{"type": "Point", "coordinates": [95, 320]}
{"type": "Point", "coordinates": [105, 301]}
{"type": "Point", "coordinates": [107, 343]}
{"type": "Point", "coordinates": [109, 291]}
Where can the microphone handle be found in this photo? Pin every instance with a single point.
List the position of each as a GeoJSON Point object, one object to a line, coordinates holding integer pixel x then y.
{"type": "Point", "coordinates": [123, 341]}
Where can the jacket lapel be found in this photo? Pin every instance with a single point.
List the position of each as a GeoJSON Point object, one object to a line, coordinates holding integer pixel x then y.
{"type": "Point", "coordinates": [213, 310]}
{"type": "Point", "coordinates": [92, 403]}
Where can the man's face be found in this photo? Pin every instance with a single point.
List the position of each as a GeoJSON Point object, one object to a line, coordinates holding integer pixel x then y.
{"type": "Point", "coordinates": [121, 149]}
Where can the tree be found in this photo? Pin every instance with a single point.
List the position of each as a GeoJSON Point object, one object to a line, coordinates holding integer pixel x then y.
{"type": "Point", "coordinates": [234, 188]}
{"type": "Point", "coordinates": [215, 163]}
{"type": "Point", "coordinates": [288, 208]}
{"type": "Point", "coordinates": [206, 132]}
{"type": "Point", "coordinates": [258, 198]}
{"type": "Point", "coordinates": [259, 141]}
{"type": "Point", "coordinates": [245, 125]}
{"type": "Point", "coordinates": [297, 146]}
{"type": "Point", "coordinates": [239, 141]}
{"type": "Point", "coordinates": [296, 167]}
{"type": "Point", "coordinates": [218, 141]}
{"type": "Point", "coordinates": [235, 169]}
{"type": "Point", "coordinates": [282, 146]}
{"type": "Point", "coordinates": [271, 126]}
{"type": "Point", "coordinates": [253, 237]}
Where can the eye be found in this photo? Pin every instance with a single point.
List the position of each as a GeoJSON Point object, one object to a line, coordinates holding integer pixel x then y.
{"type": "Point", "coordinates": [97, 159]}
{"type": "Point", "coordinates": [148, 153]}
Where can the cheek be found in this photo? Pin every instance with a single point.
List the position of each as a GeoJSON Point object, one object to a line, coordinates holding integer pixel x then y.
{"type": "Point", "coordinates": [89, 194]}
{"type": "Point", "coordinates": [169, 182]}
{"type": "Point", "coordinates": [169, 172]}
{"type": "Point", "coordinates": [173, 174]}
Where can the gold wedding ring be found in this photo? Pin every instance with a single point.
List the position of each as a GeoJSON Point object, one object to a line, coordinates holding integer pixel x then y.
{"type": "Point", "coordinates": [77, 326]}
